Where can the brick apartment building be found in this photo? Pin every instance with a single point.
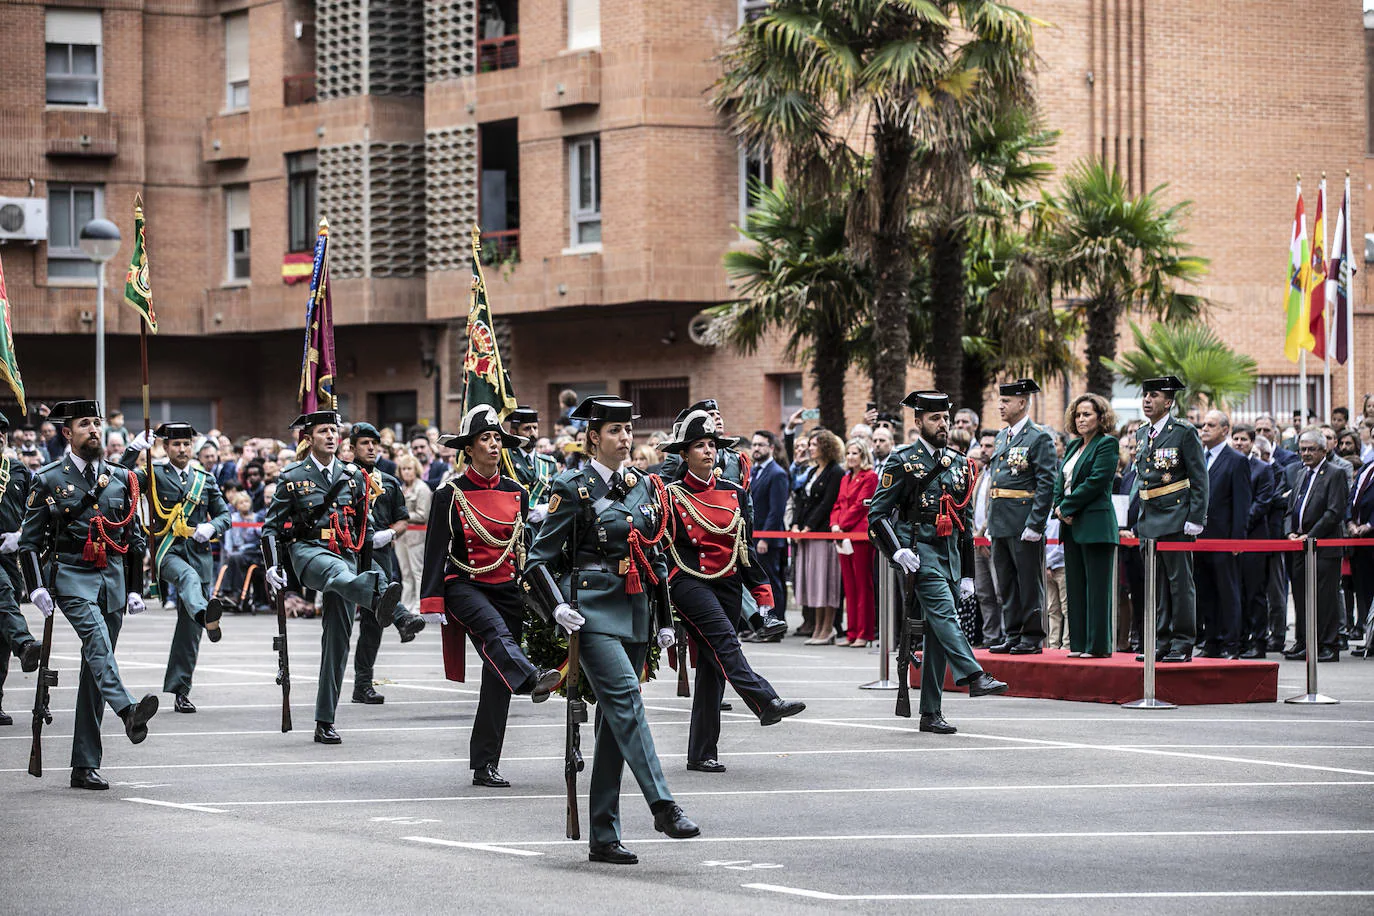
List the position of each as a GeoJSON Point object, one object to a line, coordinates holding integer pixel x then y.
{"type": "Point", "coordinates": [577, 132]}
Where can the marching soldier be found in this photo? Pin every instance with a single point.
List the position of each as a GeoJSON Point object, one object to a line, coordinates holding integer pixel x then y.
{"type": "Point", "coordinates": [15, 480]}
{"type": "Point", "coordinates": [533, 471]}
{"type": "Point", "coordinates": [389, 518]}
{"type": "Point", "coordinates": [81, 549]}
{"type": "Point", "coordinates": [1171, 478]}
{"type": "Point", "coordinates": [601, 547]}
{"type": "Point", "coordinates": [187, 511]}
{"type": "Point", "coordinates": [921, 519]}
{"type": "Point", "coordinates": [714, 559]}
{"type": "Point", "coordinates": [474, 553]}
{"type": "Point", "coordinates": [317, 523]}
{"type": "Point", "coordinates": [1023, 468]}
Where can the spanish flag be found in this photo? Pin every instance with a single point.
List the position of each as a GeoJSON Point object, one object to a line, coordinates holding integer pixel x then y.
{"type": "Point", "coordinates": [1316, 280]}
{"type": "Point", "coordinates": [138, 289]}
{"type": "Point", "coordinates": [1299, 334]}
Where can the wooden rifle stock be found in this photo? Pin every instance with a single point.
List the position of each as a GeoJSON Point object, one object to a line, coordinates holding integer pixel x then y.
{"type": "Point", "coordinates": [572, 747]}
{"type": "Point", "coordinates": [47, 679]}
{"type": "Point", "coordinates": [684, 688]}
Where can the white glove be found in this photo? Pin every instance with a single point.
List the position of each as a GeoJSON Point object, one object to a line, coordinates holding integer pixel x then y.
{"type": "Point", "coordinates": [907, 559]}
{"type": "Point", "coordinates": [140, 442]}
{"type": "Point", "coordinates": [381, 538]}
{"type": "Point", "coordinates": [204, 531]}
{"type": "Point", "coordinates": [276, 577]}
{"type": "Point", "coordinates": [568, 619]}
{"type": "Point", "coordinates": [965, 588]}
{"type": "Point", "coordinates": [1192, 529]}
{"type": "Point", "coordinates": [9, 543]}
{"type": "Point", "coordinates": [539, 513]}
{"type": "Point", "coordinates": [42, 600]}
{"type": "Point", "coordinates": [135, 604]}
{"type": "Point", "coordinates": [1030, 534]}
{"type": "Point", "coordinates": [666, 638]}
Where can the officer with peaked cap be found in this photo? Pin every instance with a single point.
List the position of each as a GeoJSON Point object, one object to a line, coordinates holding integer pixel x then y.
{"type": "Point", "coordinates": [15, 480]}
{"type": "Point", "coordinates": [533, 471]}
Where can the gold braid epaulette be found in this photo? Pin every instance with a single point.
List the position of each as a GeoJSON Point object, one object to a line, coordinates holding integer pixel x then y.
{"type": "Point", "coordinates": [474, 517]}
{"type": "Point", "coordinates": [739, 553]}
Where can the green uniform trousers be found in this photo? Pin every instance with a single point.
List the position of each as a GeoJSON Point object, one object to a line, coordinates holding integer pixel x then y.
{"type": "Point", "coordinates": [100, 682]}
{"type": "Point", "coordinates": [945, 644]}
{"type": "Point", "coordinates": [1019, 568]}
{"type": "Point", "coordinates": [1088, 572]}
{"type": "Point", "coordinates": [612, 668]}
{"type": "Point", "coordinates": [343, 588]}
{"type": "Point", "coordinates": [14, 629]}
{"type": "Point", "coordinates": [193, 591]}
{"type": "Point", "coordinates": [1177, 625]}
{"type": "Point", "coordinates": [369, 631]}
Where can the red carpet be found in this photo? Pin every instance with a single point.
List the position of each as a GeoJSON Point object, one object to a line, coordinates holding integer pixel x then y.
{"type": "Point", "coordinates": [1055, 676]}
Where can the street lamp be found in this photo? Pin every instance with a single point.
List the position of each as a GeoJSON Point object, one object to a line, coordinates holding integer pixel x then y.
{"type": "Point", "coordinates": [100, 241]}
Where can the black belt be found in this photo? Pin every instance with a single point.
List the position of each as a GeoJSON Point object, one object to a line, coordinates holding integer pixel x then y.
{"type": "Point", "coordinates": [601, 566]}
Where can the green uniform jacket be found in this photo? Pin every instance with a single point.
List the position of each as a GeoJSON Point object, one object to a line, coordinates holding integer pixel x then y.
{"type": "Point", "coordinates": [1173, 457]}
{"type": "Point", "coordinates": [900, 491]}
{"type": "Point", "coordinates": [53, 529]}
{"type": "Point", "coordinates": [1089, 504]}
{"type": "Point", "coordinates": [1024, 462]}
{"type": "Point", "coordinates": [209, 506]}
{"type": "Point", "coordinates": [534, 472]}
{"type": "Point", "coordinates": [301, 491]}
{"type": "Point", "coordinates": [14, 493]}
{"type": "Point", "coordinates": [602, 543]}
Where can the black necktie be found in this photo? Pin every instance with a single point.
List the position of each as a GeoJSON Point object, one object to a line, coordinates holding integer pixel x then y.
{"type": "Point", "coordinates": [1296, 514]}
{"type": "Point", "coordinates": [90, 475]}
{"type": "Point", "coordinates": [617, 485]}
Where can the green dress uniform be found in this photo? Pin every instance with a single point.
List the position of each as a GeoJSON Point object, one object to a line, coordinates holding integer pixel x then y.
{"type": "Point", "coordinates": [15, 480]}
{"type": "Point", "coordinates": [1089, 535]}
{"type": "Point", "coordinates": [388, 508]}
{"type": "Point", "coordinates": [315, 521]}
{"type": "Point", "coordinates": [1023, 468]}
{"type": "Point", "coordinates": [192, 497]}
{"type": "Point", "coordinates": [88, 576]}
{"type": "Point", "coordinates": [1171, 479]}
{"type": "Point", "coordinates": [534, 472]}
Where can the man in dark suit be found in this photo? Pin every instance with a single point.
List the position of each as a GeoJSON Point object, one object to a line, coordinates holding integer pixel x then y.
{"type": "Point", "coordinates": [1361, 525]}
{"type": "Point", "coordinates": [1254, 567]}
{"type": "Point", "coordinates": [1264, 426]}
{"type": "Point", "coordinates": [1317, 510]}
{"type": "Point", "coordinates": [1228, 517]}
{"type": "Point", "coordinates": [769, 486]}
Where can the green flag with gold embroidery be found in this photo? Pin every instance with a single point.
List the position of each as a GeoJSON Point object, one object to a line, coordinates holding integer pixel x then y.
{"type": "Point", "coordinates": [138, 290]}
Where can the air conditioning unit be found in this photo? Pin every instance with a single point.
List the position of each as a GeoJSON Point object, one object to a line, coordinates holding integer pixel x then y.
{"type": "Point", "coordinates": [23, 219]}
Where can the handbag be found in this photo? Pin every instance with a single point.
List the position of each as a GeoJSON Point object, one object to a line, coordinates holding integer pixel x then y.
{"type": "Point", "coordinates": [969, 612]}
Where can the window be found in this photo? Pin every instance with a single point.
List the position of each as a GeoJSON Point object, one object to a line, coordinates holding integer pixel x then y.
{"type": "Point", "coordinates": [755, 168]}
{"type": "Point", "coordinates": [790, 395]}
{"type": "Point", "coordinates": [584, 157]}
{"type": "Point", "coordinates": [1279, 396]}
{"type": "Point", "coordinates": [657, 400]}
{"type": "Point", "coordinates": [70, 207]}
{"type": "Point", "coordinates": [236, 62]}
{"type": "Point", "coordinates": [73, 57]}
{"type": "Point", "coordinates": [584, 24]}
{"type": "Point", "coordinates": [236, 222]}
{"type": "Point", "coordinates": [301, 211]}
{"type": "Point", "coordinates": [199, 412]}
{"type": "Point", "coordinates": [749, 10]}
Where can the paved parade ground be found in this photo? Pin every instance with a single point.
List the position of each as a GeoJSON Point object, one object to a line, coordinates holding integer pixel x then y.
{"type": "Point", "coordinates": [1035, 805]}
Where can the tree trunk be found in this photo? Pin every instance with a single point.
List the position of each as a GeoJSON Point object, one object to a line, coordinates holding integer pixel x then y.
{"type": "Point", "coordinates": [1104, 317]}
{"type": "Point", "coordinates": [828, 366]}
{"type": "Point", "coordinates": [975, 382]}
{"type": "Point", "coordinates": [892, 264]}
{"type": "Point", "coordinates": [947, 288]}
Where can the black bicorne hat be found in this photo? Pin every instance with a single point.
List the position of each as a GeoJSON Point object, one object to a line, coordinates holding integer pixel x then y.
{"type": "Point", "coordinates": [696, 425]}
{"type": "Point", "coordinates": [478, 420]}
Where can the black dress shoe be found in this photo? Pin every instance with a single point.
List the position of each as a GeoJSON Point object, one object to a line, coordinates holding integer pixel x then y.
{"type": "Point", "coordinates": [1296, 655]}
{"type": "Point", "coordinates": [984, 684]}
{"type": "Point", "coordinates": [368, 695]}
{"type": "Point", "coordinates": [29, 655]}
{"type": "Point", "coordinates": [1328, 655]}
{"type": "Point", "coordinates": [670, 820]}
{"type": "Point", "coordinates": [1003, 648]}
{"type": "Point", "coordinates": [710, 765]}
{"type": "Point", "coordinates": [386, 604]}
{"type": "Point", "coordinates": [1026, 648]}
{"type": "Point", "coordinates": [1175, 657]}
{"type": "Point", "coordinates": [544, 684]}
{"type": "Point", "coordinates": [612, 854]}
{"type": "Point", "coordinates": [766, 625]}
{"type": "Point", "coordinates": [6, 718]}
{"type": "Point", "coordinates": [803, 631]}
{"type": "Point", "coordinates": [88, 778]}
{"type": "Point", "coordinates": [490, 777]}
{"type": "Point", "coordinates": [183, 703]}
{"type": "Point", "coordinates": [780, 709]}
{"type": "Point", "coordinates": [934, 722]}
{"type": "Point", "coordinates": [217, 607]}
{"type": "Point", "coordinates": [1229, 655]}
{"type": "Point", "coordinates": [1159, 655]}
{"type": "Point", "coordinates": [1205, 653]}
{"type": "Point", "coordinates": [410, 627]}
{"type": "Point", "coordinates": [1253, 652]}
{"type": "Point", "coordinates": [136, 718]}
{"type": "Point", "coordinates": [726, 706]}
{"type": "Point", "coordinates": [325, 734]}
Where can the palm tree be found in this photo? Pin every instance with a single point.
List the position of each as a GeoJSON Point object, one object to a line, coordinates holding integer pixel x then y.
{"type": "Point", "coordinates": [1192, 351]}
{"type": "Point", "coordinates": [799, 276]}
{"type": "Point", "coordinates": [1113, 252]}
{"type": "Point", "coordinates": [854, 88]}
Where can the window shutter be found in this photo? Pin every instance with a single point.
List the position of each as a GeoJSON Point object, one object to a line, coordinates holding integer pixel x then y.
{"type": "Point", "coordinates": [73, 27]}
{"type": "Point", "coordinates": [236, 48]}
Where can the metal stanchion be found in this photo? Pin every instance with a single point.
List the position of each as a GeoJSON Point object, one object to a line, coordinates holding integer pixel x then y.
{"type": "Point", "coordinates": [884, 628]}
{"type": "Point", "coordinates": [1116, 599]}
{"type": "Point", "coordinates": [1309, 550]}
{"type": "Point", "coordinates": [1148, 636]}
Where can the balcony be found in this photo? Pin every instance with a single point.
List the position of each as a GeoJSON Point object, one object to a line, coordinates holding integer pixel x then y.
{"type": "Point", "coordinates": [570, 80]}
{"type": "Point", "coordinates": [501, 247]}
{"type": "Point", "coordinates": [501, 53]}
{"type": "Point", "coordinates": [79, 133]}
{"type": "Point", "coordinates": [298, 89]}
{"type": "Point", "coordinates": [225, 138]}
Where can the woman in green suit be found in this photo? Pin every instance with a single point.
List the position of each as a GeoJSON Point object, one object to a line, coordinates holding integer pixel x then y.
{"type": "Point", "coordinates": [1083, 505]}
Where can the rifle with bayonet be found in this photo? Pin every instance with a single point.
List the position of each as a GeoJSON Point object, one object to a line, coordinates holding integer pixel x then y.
{"type": "Point", "coordinates": [42, 715]}
{"type": "Point", "coordinates": [576, 709]}
{"type": "Point", "coordinates": [912, 629]}
{"type": "Point", "coordinates": [273, 557]}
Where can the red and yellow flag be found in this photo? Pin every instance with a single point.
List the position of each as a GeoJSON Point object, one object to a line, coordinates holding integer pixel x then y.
{"type": "Point", "coordinates": [1316, 280]}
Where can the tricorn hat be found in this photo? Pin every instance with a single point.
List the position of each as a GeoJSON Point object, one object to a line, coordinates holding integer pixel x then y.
{"type": "Point", "coordinates": [175, 430]}
{"type": "Point", "coordinates": [476, 421]}
{"type": "Point", "coordinates": [926, 401]}
{"type": "Point", "coordinates": [1022, 386]}
{"type": "Point", "coordinates": [696, 425]}
{"type": "Point", "coordinates": [67, 411]}
{"type": "Point", "coordinates": [522, 415]}
{"type": "Point", "coordinates": [1165, 383]}
{"type": "Point", "coordinates": [604, 408]}
{"type": "Point", "coordinates": [318, 418]}
{"type": "Point", "coordinates": [707, 404]}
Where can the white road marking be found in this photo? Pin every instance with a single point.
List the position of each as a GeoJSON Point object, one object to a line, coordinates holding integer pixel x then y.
{"type": "Point", "coordinates": [1095, 895]}
{"type": "Point", "coordinates": [352, 730]}
{"type": "Point", "coordinates": [204, 809]}
{"type": "Point", "coordinates": [484, 847]}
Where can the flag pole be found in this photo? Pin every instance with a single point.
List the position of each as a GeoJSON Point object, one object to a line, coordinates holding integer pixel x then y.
{"type": "Point", "coordinates": [1302, 315]}
{"type": "Point", "coordinates": [1348, 275]}
{"type": "Point", "coordinates": [1326, 312]}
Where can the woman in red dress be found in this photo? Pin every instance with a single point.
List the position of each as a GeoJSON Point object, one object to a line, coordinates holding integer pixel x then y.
{"type": "Point", "coordinates": [850, 516]}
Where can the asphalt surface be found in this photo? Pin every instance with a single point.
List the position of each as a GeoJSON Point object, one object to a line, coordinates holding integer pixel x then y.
{"type": "Point", "coordinates": [1036, 805]}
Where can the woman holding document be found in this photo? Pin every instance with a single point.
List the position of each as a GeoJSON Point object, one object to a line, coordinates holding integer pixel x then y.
{"type": "Point", "coordinates": [1088, 524]}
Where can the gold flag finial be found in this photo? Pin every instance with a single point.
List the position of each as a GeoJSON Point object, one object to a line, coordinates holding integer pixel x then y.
{"type": "Point", "coordinates": [324, 226]}
{"type": "Point", "coordinates": [476, 237]}
{"type": "Point", "coordinates": [138, 204]}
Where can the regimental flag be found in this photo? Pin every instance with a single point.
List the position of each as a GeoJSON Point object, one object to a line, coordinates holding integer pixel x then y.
{"type": "Point", "coordinates": [296, 267]}
{"type": "Point", "coordinates": [138, 287]}
{"type": "Point", "coordinates": [9, 365]}
{"type": "Point", "coordinates": [485, 380]}
{"type": "Point", "coordinates": [318, 364]}
{"type": "Point", "coordinates": [1316, 279]}
{"type": "Point", "coordinates": [1342, 277]}
{"type": "Point", "coordinates": [1298, 336]}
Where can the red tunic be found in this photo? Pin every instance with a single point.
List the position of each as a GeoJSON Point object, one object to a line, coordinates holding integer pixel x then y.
{"type": "Point", "coordinates": [706, 551]}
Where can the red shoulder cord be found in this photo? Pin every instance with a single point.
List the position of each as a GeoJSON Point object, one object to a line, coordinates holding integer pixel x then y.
{"type": "Point", "coordinates": [95, 551]}
{"type": "Point", "coordinates": [343, 532]}
{"type": "Point", "coordinates": [949, 509]}
{"type": "Point", "coordinates": [638, 542]}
